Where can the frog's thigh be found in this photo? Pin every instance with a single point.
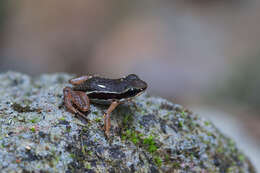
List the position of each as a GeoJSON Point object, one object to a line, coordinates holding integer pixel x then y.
{"type": "Point", "coordinates": [67, 91]}
{"type": "Point", "coordinates": [79, 80]}
{"type": "Point", "coordinates": [81, 100]}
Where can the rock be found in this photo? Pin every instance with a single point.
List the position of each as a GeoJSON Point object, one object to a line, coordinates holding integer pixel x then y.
{"type": "Point", "coordinates": [39, 135]}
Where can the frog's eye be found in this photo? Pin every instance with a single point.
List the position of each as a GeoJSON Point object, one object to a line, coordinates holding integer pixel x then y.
{"type": "Point", "coordinates": [132, 77]}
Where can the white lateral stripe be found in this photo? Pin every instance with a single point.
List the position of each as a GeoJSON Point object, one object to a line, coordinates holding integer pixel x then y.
{"type": "Point", "coordinates": [102, 86]}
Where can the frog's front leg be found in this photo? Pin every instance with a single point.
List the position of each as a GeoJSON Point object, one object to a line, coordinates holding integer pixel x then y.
{"type": "Point", "coordinates": [107, 123]}
{"type": "Point", "coordinates": [77, 98]}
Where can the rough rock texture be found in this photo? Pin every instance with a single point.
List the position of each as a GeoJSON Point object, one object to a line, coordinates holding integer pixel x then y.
{"type": "Point", "coordinates": [39, 135]}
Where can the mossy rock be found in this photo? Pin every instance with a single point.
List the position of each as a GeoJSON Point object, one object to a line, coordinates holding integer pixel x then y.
{"type": "Point", "coordinates": [38, 134]}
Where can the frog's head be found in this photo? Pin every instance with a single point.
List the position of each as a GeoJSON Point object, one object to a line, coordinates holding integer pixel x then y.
{"type": "Point", "coordinates": [136, 85]}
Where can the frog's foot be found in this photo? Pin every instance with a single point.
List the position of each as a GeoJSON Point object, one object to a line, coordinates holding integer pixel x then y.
{"type": "Point", "coordinates": [107, 123]}
{"type": "Point", "coordinates": [78, 99]}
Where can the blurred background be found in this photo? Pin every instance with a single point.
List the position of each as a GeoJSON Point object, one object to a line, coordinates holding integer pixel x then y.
{"type": "Point", "coordinates": [203, 54]}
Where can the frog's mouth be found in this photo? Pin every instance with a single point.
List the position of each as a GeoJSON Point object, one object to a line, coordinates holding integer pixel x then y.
{"type": "Point", "coordinates": [141, 91]}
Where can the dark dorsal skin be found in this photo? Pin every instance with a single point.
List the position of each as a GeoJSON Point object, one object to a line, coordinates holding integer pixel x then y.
{"type": "Point", "coordinates": [103, 88]}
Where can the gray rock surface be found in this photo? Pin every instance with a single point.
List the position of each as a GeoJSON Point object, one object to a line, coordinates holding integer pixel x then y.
{"type": "Point", "coordinates": [39, 135]}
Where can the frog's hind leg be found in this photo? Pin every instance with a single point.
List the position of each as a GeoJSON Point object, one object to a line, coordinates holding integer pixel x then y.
{"type": "Point", "coordinates": [77, 98]}
{"type": "Point", "coordinates": [107, 123]}
{"type": "Point", "coordinates": [79, 80]}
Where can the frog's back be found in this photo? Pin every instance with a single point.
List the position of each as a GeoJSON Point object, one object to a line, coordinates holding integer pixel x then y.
{"type": "Point", "coordinates": [107, 85]}
{"type": "Point", "coordinates": [99, 85]}
{"type": "Point", "coordinates": [112, 89]}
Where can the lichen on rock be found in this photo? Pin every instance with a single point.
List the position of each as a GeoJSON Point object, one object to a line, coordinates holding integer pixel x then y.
{"type": "Point", "coordinates": [38, 134]}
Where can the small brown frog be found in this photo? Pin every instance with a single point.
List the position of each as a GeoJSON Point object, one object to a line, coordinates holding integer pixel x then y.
{"type": "Point", "coordinates": [101, 90]}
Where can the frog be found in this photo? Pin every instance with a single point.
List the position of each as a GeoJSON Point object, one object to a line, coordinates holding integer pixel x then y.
{"type": "Point", "coordinates": [102, 90]}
